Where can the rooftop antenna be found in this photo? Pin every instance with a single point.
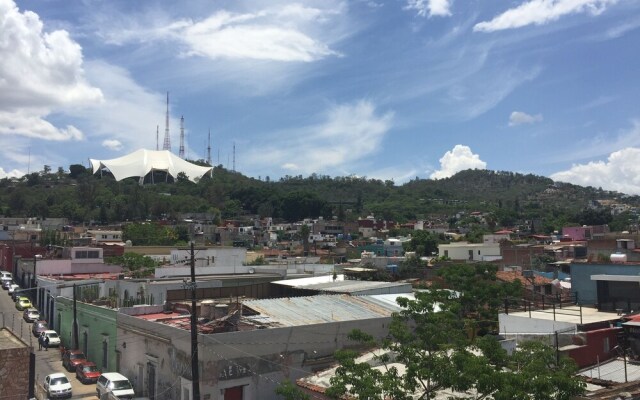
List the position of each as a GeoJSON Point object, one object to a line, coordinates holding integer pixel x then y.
{"type": "Point", "coordinates": [167, 138]}
{"type": "Point", "coordinates": [157, 137]}
{"type": "Point", "coordinates": [209, 148]}
{"type": "Point", "coordinates": [181, 151]}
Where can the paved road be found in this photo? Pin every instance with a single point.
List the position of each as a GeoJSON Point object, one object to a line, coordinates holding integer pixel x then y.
{"type": "Point", "coordinates": [47, 362]}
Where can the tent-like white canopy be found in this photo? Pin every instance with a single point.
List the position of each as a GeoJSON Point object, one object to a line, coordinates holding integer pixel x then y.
{"type": "Point", "coordinates": [141, 162]}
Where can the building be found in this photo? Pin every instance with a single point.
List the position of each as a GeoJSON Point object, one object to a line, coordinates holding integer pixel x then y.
{"type": "Point", "coordinates": [15, 363]}
{"type": "Point", "coordinates": [608, 286]}
{"type": "Point", "coordinates": [585, 334]}
{"type": "Point", "coordinates": [464, 251]}
{"type": "Point", "coordinates": [247, 349]}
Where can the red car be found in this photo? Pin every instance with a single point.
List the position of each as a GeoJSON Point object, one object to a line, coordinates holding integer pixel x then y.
{"type": "Point", "coordinates": [87, 372]}
{"type": "Point", "coordinates": [72, 358]}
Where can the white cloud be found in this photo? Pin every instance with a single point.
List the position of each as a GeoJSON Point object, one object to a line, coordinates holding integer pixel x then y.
{"type": "Point", "coordinates": [112, 144]}
{"type": "Point", "coordinates": [284, 34]}
{"type": "Point", "coordinates": [11, 174]}
{"type": "Point", "coordinates": [431, 8]}
{"type": "Point", "coordinates": [518, 118]}
{"type": "Point", "coordinates": [349, 134]}
{"type": "Point", "coordinates": [540, 12]}
{"type": "Point", "coordinates": [129, 113]}
{"type": "Point", "coordinates": [621, 172]}
{"type": "Point", "coordinates": [458, 159]}
{"type": "Point", "coordinates": [40, 73]}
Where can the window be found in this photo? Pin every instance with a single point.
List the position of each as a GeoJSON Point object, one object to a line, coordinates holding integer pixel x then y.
{"type": "Point", "coordinates": [82, 254]}
{"type": "Point", "coordinates": [446, 253]}
{"type": "Point", "coordinates": [105, 353]}
{"type": "Point", "coordinates": [85, 342]}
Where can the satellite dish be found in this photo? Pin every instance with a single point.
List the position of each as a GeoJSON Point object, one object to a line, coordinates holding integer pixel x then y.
{"type": "Point", "coordinates": [252, 271]}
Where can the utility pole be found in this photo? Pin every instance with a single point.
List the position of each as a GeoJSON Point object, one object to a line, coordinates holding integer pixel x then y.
{"type": "Point", "coordinates": [195, 376]}
{"type": "Point", "coordinates": [75, 320]}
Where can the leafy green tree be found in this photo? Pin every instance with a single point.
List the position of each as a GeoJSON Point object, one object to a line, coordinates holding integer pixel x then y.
{"type": "Point", "coordinates": [424, 243]}
{"type": "Point", "coordinates": [76, 170]}
{"type": "Point", "coordinates": [138, 265]}
{"type": "Point", "coordinates": [428, 338]}
{"type": "Point", "coordinates": [304, 233]}
{"type": "Point", "coordinates": [289, 391]}
{"type": "Point", "coordinates": [480, 293]}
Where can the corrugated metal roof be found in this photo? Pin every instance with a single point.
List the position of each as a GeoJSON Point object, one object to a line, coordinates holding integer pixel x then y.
{"type": "Point", "coordinates": [388, 301]}
{"type": "Point", "coordinates": [296, 311]}
{"type": "Point", "coordinates": [309, 281]}
{"type": "Point", "coordinates": [347, 286]}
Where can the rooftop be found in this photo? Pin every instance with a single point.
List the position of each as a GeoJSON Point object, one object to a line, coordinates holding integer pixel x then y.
{"type": "Point", "coordinates": [570, 315]}
{"type": "Point", "coordinates": [327, 284]}
{"type": "Point", "coordinates": [8, 340]}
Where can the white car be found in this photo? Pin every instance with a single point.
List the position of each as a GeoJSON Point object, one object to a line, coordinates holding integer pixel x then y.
{"type": "Point", "coordinates": [54, 339]}
{"type": "Point", "coordinates": [5, 276]}
{"type": "Point", "coordinates": [57, 386]}
{"type": "Point", "coordinates": [13, 287]}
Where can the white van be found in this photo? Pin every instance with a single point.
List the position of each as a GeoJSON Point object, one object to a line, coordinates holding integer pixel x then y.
{"type": "Point", "coordinates": [5, 276]}
{"type": "Point", "coordinates": [113, 382]}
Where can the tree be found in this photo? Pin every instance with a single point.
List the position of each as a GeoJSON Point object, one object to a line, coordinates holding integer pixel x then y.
{"type": "Point", "coordinates": [304, 233]}
{"type": "Point", "coordinates": [428, 338]}
{"type": "Point", "coordinates": [140, 266]}
{"type": "Point", "coordinates": [289, 391]}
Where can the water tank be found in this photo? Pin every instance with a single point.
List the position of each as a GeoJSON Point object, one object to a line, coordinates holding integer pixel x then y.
{"type": "Point", "coordinates": [618, 258]}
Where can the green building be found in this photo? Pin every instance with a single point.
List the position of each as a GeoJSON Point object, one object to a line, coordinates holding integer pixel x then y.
{"type": "Point", "coordinates": [97, 333]}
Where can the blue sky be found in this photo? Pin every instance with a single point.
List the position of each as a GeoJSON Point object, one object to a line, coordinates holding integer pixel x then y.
{"type": "Point", "coordinates": [382, 89]}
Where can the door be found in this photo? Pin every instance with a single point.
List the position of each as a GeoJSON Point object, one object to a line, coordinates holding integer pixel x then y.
{"type": "Point", "coordinates": [151, 381]}
{"type": "Point", "coordinates": [234, 393]}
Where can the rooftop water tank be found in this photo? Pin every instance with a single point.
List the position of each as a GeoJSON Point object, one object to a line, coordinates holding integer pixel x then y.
{"type": "Point", "coordinates": [618, 258]}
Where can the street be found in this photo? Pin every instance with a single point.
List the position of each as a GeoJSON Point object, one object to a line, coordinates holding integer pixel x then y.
{"type": "Point", "coordinates": [47, 362]}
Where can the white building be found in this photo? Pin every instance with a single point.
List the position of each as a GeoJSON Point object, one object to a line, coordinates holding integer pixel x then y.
{"type": "Point", "coordinates": [464, 251]}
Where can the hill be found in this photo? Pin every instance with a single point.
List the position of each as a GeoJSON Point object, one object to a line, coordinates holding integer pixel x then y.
{"type": "Point", "coordinates": [510, 197]}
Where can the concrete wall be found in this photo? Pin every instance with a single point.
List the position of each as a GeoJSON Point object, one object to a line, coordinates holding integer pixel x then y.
{"type": "Point", "coordinates": [511, 324]}
{"type": "Point", "coordinates": [597, 347]}
{"type": "Point", "coordinates": [147, 291]}
{"type": "Point", "coordinates": [258, 359]}
{"type": "Point", "coordinates": [586, 288]}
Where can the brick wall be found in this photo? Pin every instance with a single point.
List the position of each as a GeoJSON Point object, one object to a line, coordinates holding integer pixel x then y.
{"type": "Point", "coordinates": [14, 373]}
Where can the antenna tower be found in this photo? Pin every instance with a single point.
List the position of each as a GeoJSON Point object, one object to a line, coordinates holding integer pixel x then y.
{"type": "Point", "coordinates": [181, 151]}
{"type": "Point", "coordinates": [157, 137]}
{"type": "Point", "coordinates": [209, 148]}
{"type": "Point", "coordinates": [167, 138]}
{"type": "Point", "coordinates": [234, 156]}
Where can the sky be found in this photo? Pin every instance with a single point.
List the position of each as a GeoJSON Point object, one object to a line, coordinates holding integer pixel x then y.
{"type": "Point", "coordinates": [391, 90]}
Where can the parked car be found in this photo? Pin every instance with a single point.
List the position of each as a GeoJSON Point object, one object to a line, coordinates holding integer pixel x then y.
{"type": "Point", "coordinates": [57, 386]}
{"type": "Point", "coordinates": [38, 327]}
{"type": "Point", "coordinates": [87, 372]}
{"type": "Point", "coordinates": [31, 315]}
{"type": "Point", "coordinates": [54, 339]}
{"type": "Point", "coordinates": [113, 382]}
{"type": "Point", "coordinates": [17, 293]}
{"type": "Point", "coordinates": [6, 276]}
{"type": "Point", "coordinates": [71, 359]}
{"type": "Point", "coordinates": [6, 284]}
{"type": "Point", "coordinates": [23, 303]}
{"type": "Point", "coordinates": [13, 287]}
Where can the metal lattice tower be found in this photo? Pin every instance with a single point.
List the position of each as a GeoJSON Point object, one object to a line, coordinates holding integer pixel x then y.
{"type": "Point", "coordinates": [181, 151]}
{"type": "Point", "coordinates": [167, 138]}
{"type": "Point", "coordinates": [234, 156]}
{"type": "Point", "coordinates": [209, 148]}
{"type": "Point", "coordinates": [157, 137]}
